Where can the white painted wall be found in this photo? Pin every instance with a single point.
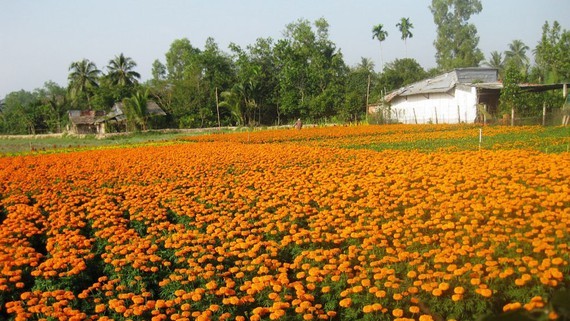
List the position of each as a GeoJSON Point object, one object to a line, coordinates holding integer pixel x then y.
{"type": "Point", "coordinates": [439, 107]}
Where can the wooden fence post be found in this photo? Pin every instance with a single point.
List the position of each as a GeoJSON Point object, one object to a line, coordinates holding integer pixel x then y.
{"type": "Point", "coordinates": [513, 116]}
{"type": "Point", "coordinates": [543, 113]}
{"type": "Point", "coordinates": [415, 117]}
{"type": "Point", "coordinates": [436, 120]}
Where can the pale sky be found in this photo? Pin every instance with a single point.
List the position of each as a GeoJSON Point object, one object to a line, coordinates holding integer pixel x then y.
{"type": "Point", "coordinates": [39, 39]}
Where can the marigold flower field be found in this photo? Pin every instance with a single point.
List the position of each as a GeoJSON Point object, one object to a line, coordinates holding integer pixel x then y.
{"type": "Point", "coordinates": [285, 225]}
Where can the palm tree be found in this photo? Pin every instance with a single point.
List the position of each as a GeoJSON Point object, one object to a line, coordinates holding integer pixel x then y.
{"type": "Point", "coordinates": [231, 99]}
{"type": "Point", "coordinates": [495, 61]}
{"type": "Point", "coordinates": [366, 64]}
{"type": "Point", "coordinates": [405, 26]}
{"type": "Point", "coordinates": [135, 109]}
{"type": "Point", "coordinates": [379, 33]}
{"type": "Point", "coordinates": [121, 71]}
{"type": "Point", "coordinates": [83, 76]}
{"type": "Point", "coordinates": [517, 55]}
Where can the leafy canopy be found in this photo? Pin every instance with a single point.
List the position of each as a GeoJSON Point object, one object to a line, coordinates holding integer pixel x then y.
{"type": "Point", "coordinates": [457, 40]}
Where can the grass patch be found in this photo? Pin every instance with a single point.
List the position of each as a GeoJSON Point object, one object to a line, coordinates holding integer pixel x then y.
{"type": "Point", "coordinates": [548, 139]}
{"type": "Point", "coordinates": [26, 144]}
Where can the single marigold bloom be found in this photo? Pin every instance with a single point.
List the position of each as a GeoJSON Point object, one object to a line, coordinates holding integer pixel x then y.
{"type": "Point", "coordinates": [398, 313]}
{"type": "Point", "coordinates": [345, 303]}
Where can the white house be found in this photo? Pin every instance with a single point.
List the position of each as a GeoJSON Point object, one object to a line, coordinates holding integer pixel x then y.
{"type": "Point", "coordinates": [464, 95]}
{"type": "Point", "coordinates": [452, 97]}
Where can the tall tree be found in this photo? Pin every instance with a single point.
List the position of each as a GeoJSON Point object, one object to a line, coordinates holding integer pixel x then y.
{"type": "Point", "coordinates": [20, 113]}
{"type": "Point", "coordinates": [405, 27]}
{"type": "Point", "coordinates": [262, 55]}
{"type": "Point", "coordinates": [511, 98]}
{"type": "Point", "coordinates": [551, 54]}
{"type": "Point", "coordinates": [517, 55]}
{"type": "Point", "coordinates": [401, 72]}
{"type": "Point", "coordinates": [379, 33]}
{"type": "Point", "coordinates": [248, 84]}
{"type": "Point", "coordinates": [83, 78]}
{"type": "Point", "coordinates": [359, 80]}
{"type": "Point", "coordinates": [160, 89]}
{"type": "Point", "coordinates": [216, 75]}
{"type": "Point", "coordinates": [311, 71]}
{"type": "Point", "coordinates": [158, 71]}
{"type": "Point", "coordinates": [185, 91]}
{"type": "Point", "coordinates": [457, 40]}
{"type": "Point", "coordinates": [182, 59]}
{"type": "Point", "coordinates": [121, 71]}
{"type": "Point", "coordinates": [55, 105]}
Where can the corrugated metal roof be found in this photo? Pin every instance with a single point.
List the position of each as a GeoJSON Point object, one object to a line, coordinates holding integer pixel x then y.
{"type": "Point", "coordinates": [445, 82]}
{"type": "Point", "coordinates": [523, 87]}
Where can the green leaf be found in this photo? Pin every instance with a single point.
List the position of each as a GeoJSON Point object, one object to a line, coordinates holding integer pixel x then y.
{"type": "Point", "coordinates": [518, 315]}
{"type": "Point", "coordinates": [561, 303]}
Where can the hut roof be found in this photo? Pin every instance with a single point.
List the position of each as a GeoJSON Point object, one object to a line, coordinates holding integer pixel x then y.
{"type": "Point", "coordinates": [85, 117]}
{"type": "Point", "coordinates": [117, 112]}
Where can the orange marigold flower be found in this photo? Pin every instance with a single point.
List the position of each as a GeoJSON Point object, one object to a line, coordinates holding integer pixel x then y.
{"type": "Point", "coordinates": [398, 313]}
{"type": "Point", "coordinates": [345, 303]}
{"type": "Point", "coordinates": [414, 309]}
{"type": "Point", "coordinates": [426, 317]}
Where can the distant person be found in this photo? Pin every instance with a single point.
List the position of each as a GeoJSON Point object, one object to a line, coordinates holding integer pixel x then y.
{"type": "Point", "coordinates": [298, 124]}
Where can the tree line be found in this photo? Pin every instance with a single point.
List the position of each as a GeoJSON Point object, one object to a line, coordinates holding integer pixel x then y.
{"type": "Point", "coordinates": [273, 82]}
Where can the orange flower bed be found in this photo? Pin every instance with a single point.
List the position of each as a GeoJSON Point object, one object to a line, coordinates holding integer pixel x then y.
{"type": "Point", "coordinates": [363, 136]}
{"type": "Point", "coordinates": [225, 230]}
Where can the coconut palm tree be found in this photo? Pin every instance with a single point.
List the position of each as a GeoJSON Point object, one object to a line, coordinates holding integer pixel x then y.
{"type": "Point", "coordinates": [366, 64]}
{"type": "Point", "coordinates": [121, 71]}
{"type": "Point", "coordinates": [379, 33]}
{"type": "Point", "coordinates": [405, 26]}
{"type": "Point", "coordinates": [495, 61]}
{"type": "Point", "coordinates": [83, 77]}
{"type": "Point", "coordinates": [517, 55]}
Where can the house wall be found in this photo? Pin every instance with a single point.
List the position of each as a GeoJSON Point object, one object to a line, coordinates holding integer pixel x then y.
{"type": "Point", "coordinates": [85, 129]}
{"type": "Point", "coordinates": [437, 107]}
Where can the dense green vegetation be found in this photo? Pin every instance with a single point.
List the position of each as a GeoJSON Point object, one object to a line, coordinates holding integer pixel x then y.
{"type": "Point", "coordinates": [275, 81]}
